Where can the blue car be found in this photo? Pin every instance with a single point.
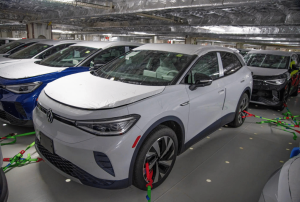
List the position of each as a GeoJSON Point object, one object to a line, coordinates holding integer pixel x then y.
{"type": "Point", "coordinates": [22, 82]}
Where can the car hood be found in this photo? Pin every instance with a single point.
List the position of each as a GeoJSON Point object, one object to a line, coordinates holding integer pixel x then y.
{"type": "Point", "coordinates": [86, 91]}
{"type": "Point", "coordinates": [266, 71]}
{"type": "Point", "coordinates": [21, 70]}
{"type": "Point", "coordinates": [4, 60]}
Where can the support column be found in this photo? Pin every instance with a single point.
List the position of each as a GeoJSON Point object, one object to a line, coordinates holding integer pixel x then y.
{"type": "Point", "coordinates": [188, 40]}
{"type": "Point", "coordinates": [240, 46]}
{"type": "Point", "coordinates": [6, 34]}
{"type": "Point", "coordinates": [263, 47]}
{"type": "Point", "coordinates": [154, 39]}
{"type": "Point", "coordinates": [39, 31]}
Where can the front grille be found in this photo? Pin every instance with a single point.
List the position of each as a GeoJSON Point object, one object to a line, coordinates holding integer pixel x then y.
{"type": "Point", "coordinates": [11, 119]}
{"type": "Point", "coordinates": [55, 116]}
{"type": "Point", "coordinates": [72, 170]}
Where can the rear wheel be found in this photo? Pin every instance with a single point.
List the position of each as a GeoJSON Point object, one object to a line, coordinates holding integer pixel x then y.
{"type": "Point", "coordinates": [159, 150]}
{"type": "Point", "coordinates": [239, 113]}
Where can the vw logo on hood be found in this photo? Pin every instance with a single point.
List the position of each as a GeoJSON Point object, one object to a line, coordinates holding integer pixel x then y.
{"type": "Point", "coordinates": [50, 116]}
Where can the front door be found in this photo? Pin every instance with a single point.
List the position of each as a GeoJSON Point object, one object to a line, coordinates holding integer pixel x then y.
{"type": "Point", "coordinates": [206, 103]}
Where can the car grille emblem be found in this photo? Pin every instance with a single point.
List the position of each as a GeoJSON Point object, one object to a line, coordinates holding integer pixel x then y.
{"type": "Point", "coordinates": [50, 116]}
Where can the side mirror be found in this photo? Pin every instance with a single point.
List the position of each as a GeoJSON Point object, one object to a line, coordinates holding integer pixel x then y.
{"type": "Point", "coordinates": [201, 80]}
{"type": "Point", "coordinates": [37, 62]}
{"type": "Point", "coordinates": [295, 67]}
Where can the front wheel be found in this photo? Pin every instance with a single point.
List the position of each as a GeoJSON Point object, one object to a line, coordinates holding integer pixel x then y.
{"type": "Point", "coordinates": [239, 113]}
{"type": "Point", "coordinates": [159, 150]}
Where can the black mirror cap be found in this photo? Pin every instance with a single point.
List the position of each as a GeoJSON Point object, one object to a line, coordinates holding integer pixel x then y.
{"type": "Point", "coordinates": [201, 80]}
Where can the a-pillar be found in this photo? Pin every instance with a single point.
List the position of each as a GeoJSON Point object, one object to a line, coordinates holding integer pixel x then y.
{"type": "Point", "coordinates": [39, 31]}
{"type": "Point", "coordinates": [240, 46]}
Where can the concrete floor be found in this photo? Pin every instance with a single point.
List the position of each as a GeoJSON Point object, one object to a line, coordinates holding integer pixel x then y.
{"type": "Point", "coordinates": [237, 162]}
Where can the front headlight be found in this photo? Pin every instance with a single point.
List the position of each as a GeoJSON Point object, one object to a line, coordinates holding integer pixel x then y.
{"type": "Point", "coordinates": [24, 87]}
{"type": "Point", "coordinates": [276, 81]}
{"type": "Point", "coordinates": [115, 126]}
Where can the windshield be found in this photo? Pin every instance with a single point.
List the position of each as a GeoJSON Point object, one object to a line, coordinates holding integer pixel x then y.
{"type": "Point", "coordinates": [9, 46]}
{"type": "Point", "coordinates": [146, 67]}
{"type": "Point", "coordinates": [68, 57]}
{"type": "Point", "coordinates": [30, 51]}
{"type": "Point", "coordinates": [267, 61]}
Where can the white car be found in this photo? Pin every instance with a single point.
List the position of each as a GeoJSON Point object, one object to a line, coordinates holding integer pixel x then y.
{"type": "Point", "coordinates": [15, 46]}
{"type": "Point", "coordinates": [37, 51]}
{"type": "Point", "coordinates": [7, 40]}
{"type": "Point", "coordinates": [100, 128]}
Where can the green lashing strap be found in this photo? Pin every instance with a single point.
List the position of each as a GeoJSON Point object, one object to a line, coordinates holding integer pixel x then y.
{"type": "Point", "coordinates": [17, 160]}
{"type": "Point", "coordinates": [14, 137]}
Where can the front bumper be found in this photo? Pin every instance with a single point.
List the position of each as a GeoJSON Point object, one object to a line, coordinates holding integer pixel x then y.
{"type": "Point", "coordinates": [267, 94]}
{"type": "Point", "coordinates": [16, 109]}
{"type": "Point", "coordinates": [77, 174]}
{"type": "Point", "coordinates": [75, 149]}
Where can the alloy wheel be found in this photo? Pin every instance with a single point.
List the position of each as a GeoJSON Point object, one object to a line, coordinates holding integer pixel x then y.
{"type": "Point", "coordinates": [243, 106]}
{"type": "Point", "coordinates": [160, 157]}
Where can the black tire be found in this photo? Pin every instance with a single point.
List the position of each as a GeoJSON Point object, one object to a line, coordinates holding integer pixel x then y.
{"type": "Point", "coordinates": [242, 105]}
{"type": "Point", "coordinates": [295, 94]}
{"type": "Point", "coordinates": [162, 135]}
{"type": "Point", "coordinates": [285, 97]}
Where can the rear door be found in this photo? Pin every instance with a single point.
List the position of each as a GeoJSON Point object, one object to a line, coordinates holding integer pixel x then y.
{"type": "Point", "coordinates": [205, 102]}
{"type": "Point", "coordinates": [235, 82]}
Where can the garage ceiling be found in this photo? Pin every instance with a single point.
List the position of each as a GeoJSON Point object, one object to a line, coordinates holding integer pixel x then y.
{"type": "Point", "coordinates": [232, 20]}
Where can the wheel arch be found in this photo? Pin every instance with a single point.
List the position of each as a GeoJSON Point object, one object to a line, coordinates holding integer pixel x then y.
{"type": "Point", "coordinates": [248, 91]}
{"type": "Point", "coordinates": [172, 122]}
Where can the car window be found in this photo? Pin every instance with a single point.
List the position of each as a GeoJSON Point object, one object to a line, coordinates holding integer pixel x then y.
{"type": "Point", "coordinates": [21, 47]}
{"type": "Point", "coordinates": [2, 42]}
{"type": "Point", "coordinates": [208, 65]}
{"type": "Point", "coordinates": [105, 56]}
{"type": "Point", "coordinates": [230, 62]}
{"type": "Point", "coordinates": [30, 51]}
{"type": "Point", "coordinates": [9, 46]}
{"type": "Point", "coordinates": [52, 50]}
{"type": "Point", "coordinates": [68, 57]}
{"type": "Point", "coordinates": [267, 60]}
{"type": "Point", "coordinates": [146, 67]}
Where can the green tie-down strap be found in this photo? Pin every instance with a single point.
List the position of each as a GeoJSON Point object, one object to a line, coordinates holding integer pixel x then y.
{"type": "Point", "coordinates": [17, 160]}
{"type": "Point", "coordinates": [282, 124]}
{"type": "Point", "coordinates": [14, 137]}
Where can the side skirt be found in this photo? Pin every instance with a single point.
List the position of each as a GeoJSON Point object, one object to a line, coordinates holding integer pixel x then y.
{"type": "Point", "coordinates": [210, 129]}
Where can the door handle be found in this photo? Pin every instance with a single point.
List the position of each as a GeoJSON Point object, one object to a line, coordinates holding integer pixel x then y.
{"type": "Point", "coordinates": [221, 91]}
{"type": "Point", "coordinates": [242, 81]}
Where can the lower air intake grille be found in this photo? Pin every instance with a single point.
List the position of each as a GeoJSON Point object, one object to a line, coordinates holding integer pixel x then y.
{"type": "Point", "coordinates": [11, 119]}
{"type": "Point", "coordinates": [71, 169]}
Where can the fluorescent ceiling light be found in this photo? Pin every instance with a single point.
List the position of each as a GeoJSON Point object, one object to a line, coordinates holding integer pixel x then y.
{"type": "Point", "coordinates": [141, 33]}
{"type": "Point", "coordinates": [64, 0]}
{"type": "Point", "coordinates": [61, 31]}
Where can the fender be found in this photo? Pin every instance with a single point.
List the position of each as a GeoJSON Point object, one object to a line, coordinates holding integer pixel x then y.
{"type": "Point", "coordinates": [145, 135]}
{"type": "Point", "coordinates": [248, 88]}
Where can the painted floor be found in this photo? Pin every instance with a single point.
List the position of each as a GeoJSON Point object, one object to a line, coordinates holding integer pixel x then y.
{"type": "Point", "coordinates": [231, 165]}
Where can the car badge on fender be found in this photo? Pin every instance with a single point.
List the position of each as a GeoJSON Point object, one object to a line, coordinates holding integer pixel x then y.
{"type": "Point", "coordinates": [50, 116]}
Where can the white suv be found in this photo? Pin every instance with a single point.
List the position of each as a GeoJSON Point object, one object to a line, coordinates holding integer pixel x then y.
{"type": "Point", "coordinates": [100, 128]}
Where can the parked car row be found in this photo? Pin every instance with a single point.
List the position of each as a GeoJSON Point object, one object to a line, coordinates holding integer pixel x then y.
{"type": "Point", "coordinates": [103, 110]}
